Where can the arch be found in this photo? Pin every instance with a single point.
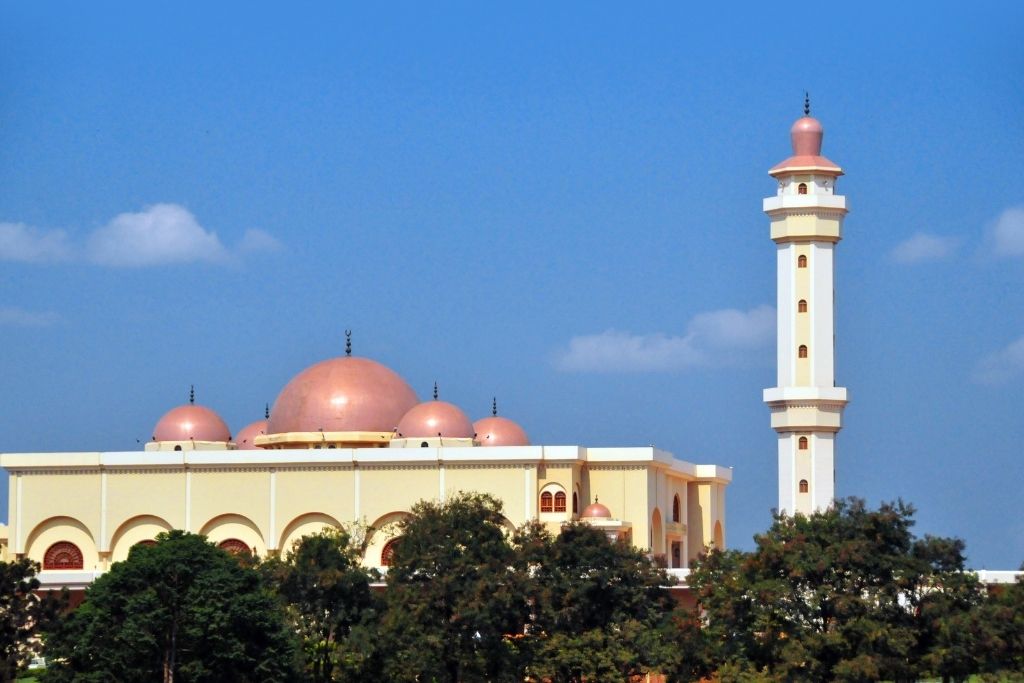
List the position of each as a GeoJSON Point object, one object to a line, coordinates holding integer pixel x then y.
{"type": "Point", "coordinates": [801, 188]}
{"type": "Point", "coordinates": [802, 351]}
{"type": "Point", "coordinates": [306, 525]}
{"type": "Point", "coordinates": [553, 498]}
{"type": "Point", "coordinates": [235, 526]}
{"type": "Point", "coordinates": [676, 512]}
{"type": "Point", "coordinates": [802, 443]}
{"type": "Point", "coordinates": [719, 536]}
{"type": "Point", "coordinates": [62, 528]}
{"type": "Point", "coordinates": [62, 556]}
{"type": "Point", "coordinates": [385, 528]}
{"type": "Point", "coordinates": [387, 553]}
{"type": "Point", "coordinates": [657, 533]}
{"type": "Point", "coordinates": [801, 306]}
{"type": "Point", "coordinates": [801, 261]}
{"type": "Point", "coordinates": [804, 486]}
{"type": "Point", "coordinates": [133, 531]}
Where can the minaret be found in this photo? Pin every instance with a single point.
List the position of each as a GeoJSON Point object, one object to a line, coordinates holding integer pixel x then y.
{"type": "Point", "coordinates": [807, 407]}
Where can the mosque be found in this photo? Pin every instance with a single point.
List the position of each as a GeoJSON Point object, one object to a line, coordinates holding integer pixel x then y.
{"type": "Point", "coordinates": [348, 442]}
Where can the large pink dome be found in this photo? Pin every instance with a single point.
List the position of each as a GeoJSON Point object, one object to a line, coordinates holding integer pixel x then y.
{"type": "Point", "coordinates": [191, 423]}
{"type": "Point", "coordinates": [435, 418]}
{"type": "Point", "coordinates": [345, 394]}
{"type": "Point", "coordinates": [500, 431]}
{"type": "Point", "coordinates": [244, 439]}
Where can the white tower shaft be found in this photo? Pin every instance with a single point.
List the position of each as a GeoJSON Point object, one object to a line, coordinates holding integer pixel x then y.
{"type": "Point", "coordinates": [806, 224]}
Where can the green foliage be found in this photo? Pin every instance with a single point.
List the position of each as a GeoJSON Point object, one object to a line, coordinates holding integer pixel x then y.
{"type": "Point", "coordinates": [330, 605]}
{"type": "Point", "coordinates": [847, 594]}
{"type": "Point", "coordinates": [180, 610]}
{"type": "Point", "coordinates": [455, 605]}
{"type": "Point", "coordinates": [23, 615]}
{"type": "Point", "coordinates": [1001, 621]}
{"type": "Point", "coordinates": [600, 609]}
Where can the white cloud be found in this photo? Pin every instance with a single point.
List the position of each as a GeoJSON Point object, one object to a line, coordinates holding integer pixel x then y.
{"type": "Point", "coordinates": [20, 242]}
{"type": "Point", "coordinates": [18, 317]}
{"type": "Point", "coordinates": [715, 338]}
{"type": "Point", "coordinates": [157, 235]}
{"type": "Point", "coordinates": [1007, 234]}
{"type": "Point", "coordinates": [923, 247]}
{"type": "Point", "coordinates": [1001, 366]}
{"type": "Point", "coordinates": [258, 240]}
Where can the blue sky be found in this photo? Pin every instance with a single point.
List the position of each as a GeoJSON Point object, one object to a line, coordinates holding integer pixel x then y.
{"type": "Point", "coordinates": [558, 205]}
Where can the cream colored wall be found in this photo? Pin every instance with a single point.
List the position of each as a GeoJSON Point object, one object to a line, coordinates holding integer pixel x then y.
{"type": "Point", "coordinates": [73, 495]}
{"type": "Point", "coordinates": [506, 482]}
{"type": "Point", "coordinates": [301, 492]}
{"type": "Point", "coordinates": [268, 503]}
{"type": "Point", "coordinates": [623, 489]}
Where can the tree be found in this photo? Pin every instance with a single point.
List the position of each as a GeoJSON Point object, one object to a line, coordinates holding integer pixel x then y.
{"type": "Point", "coordinates": [1001, 620]}
{"type": "Point", "coordinates": [600, 609]}
{"type": "Point", "coordinates": [330, 605]}
{"type": "Point", "coordinates": [455, 607]}
{"type": "Point", "coordinates": [847, 594]}
{"type": "Point", "coordinates": [23, 615]}
{"type": "Point", "coordinates": [180, 610]}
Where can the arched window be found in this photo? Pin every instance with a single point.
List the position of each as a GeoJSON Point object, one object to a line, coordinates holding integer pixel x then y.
{"type": "Point", "coordinates": [547, 502]}
{"type": "Point", "coordinates": [560, 501]}
{"type": "Point", "coordinates": [676, 517]}
{"type": "Point", "coordinates": [802, 444]}
{"type": "Point", "coordinates": [235, 547]}
{"type": "Point", "coordinates": [575, 503]}
{"type": "Point", "coordinates": [178, 447]}
{"type": "Point", "coordinates": [63, 555]}
{"type": "Point", "coordinates": [803, 486]}
{"type": "Point", "coordinates": [387, 555]}
{"type": "Point", "coordinates": [801, 261]}
{"type": "Point", "coordinates": [424, 444]}
{"type": "Point", "coordinates": [801, 306]}
{"type": "Point", "coordinates": [802, 351]}
{"type": "Point", "coordinates": [801, 188]}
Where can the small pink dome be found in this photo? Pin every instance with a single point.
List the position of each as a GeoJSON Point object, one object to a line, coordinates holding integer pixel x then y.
{"type": "Point", "coordinates": [433, 418]}
{"type": "Point", "coordinates": [346, 394]}
{"type": "Point", "coordinates": [806, 135]}
{"type": "Point", "coordinates": [244, 440]}
{"type": "Point", "coordinates": [500, 431]}
{"type": "Point", "coordinates": [596, 511]}
{"type": "Point", "coordinates": [191, 423]}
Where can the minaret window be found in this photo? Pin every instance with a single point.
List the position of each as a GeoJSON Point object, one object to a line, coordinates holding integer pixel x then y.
{"type": "Point", "coordinates": [801, 261]}
{"type": "Point", "coordinates": [802, 306]}
{"type": "Point", "coordinates": [802, 351]}
{"type": "Point", "coordinates": [803, 486]}
{"type": "Point", "coordinates": [801, 188]}
{"type": "Point", "coordinates": [802, 443]}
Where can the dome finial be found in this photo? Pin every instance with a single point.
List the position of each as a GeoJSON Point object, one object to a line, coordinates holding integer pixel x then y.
{"type": "Point", "coordinates": [494, 407]}
{"type": "Point", "coordinates": [266, 411]}
{"type": "Point", "coordinates": [191, 394]}
{"type": "Point", "coordinates": [348, 342]}
{"type": "Point", "coordinates": [435, 391]}
{"type": "Point", "coordinates": [807, 103]}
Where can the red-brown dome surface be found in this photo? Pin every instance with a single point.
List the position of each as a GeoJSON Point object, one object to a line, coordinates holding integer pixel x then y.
{"type": "Point", "coordinates": [435, 418]}
{"type": "Point", "coordinates": [596, 511]}
{"type": "Point", "coordinates": [346, 394]}
{"type": "Point", "coordinates": [500, 431]}
{"type": "Point", "coordinates": [244, 438]}
{"type": "Point", "coordinates": [191, 423]}
{"type": "Point", "coordinates": [806, 136]}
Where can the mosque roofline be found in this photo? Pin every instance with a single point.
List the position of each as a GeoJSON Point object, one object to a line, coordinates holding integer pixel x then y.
{"type": "Point", "coordinates": [15, 462]}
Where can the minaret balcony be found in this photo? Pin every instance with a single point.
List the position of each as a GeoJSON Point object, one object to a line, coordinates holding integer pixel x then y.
{"type": "Point", "coordinates": [798, 202]}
